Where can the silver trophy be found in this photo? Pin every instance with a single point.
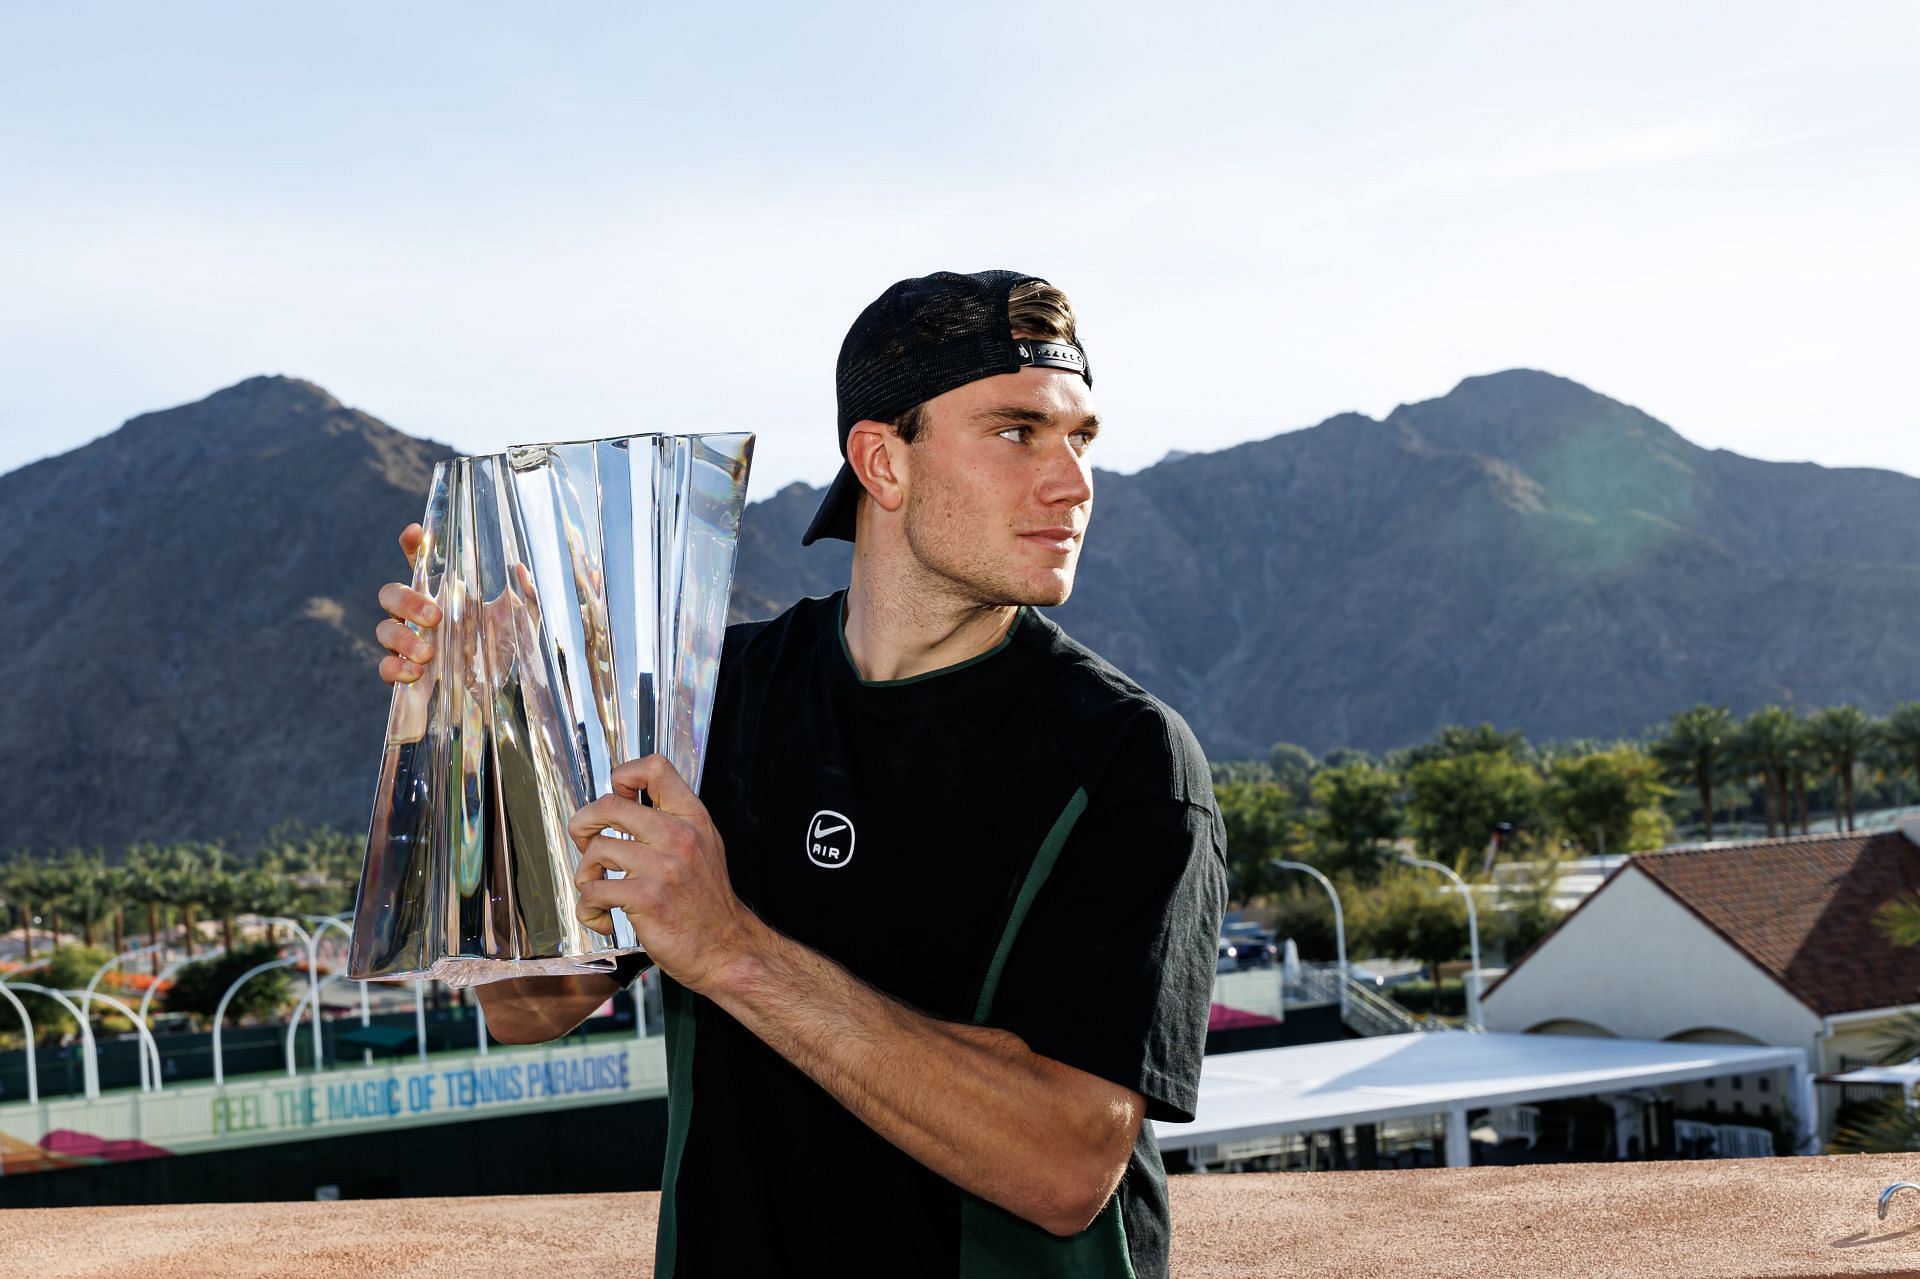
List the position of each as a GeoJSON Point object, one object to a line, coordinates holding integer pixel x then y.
{"type": "Point", "coordinates": [583, 599]}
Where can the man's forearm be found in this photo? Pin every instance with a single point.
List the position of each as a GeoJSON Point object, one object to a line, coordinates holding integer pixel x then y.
{"type": "Point", "coordinates": [1041, 1139]}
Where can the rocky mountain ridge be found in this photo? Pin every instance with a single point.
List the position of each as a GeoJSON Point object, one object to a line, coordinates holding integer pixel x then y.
{"type": "Point", "coordinates": [186, 641]}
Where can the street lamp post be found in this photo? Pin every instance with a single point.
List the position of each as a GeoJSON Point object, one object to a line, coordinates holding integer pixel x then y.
{"type": "Point", "coordinates": [1473, 936]}
{"type": "Point", "coordinates": [1339, 920]}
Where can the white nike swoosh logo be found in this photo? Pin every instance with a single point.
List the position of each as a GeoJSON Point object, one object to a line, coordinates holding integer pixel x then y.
{"type": "Point", "coordinates": [821, 832]}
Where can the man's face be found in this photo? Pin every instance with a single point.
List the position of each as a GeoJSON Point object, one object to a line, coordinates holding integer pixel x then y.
{"type": "Point", "coordinates": [1000, 487]}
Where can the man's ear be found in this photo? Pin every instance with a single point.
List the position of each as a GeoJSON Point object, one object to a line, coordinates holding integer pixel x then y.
{"type": "Point", "coordinates": [879, 459]}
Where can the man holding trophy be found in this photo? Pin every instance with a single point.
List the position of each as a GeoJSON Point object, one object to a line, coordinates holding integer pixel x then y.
{"type": "Point", "coordinates": [937, 932]}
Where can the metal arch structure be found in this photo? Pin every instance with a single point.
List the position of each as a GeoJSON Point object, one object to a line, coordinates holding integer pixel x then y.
{"type": "Point", "coordinates": [1339, 920]}
{"type": "Point", "coordinates": [313, 967]}
{"type": "Point", "coordinates": [1473, 935]}
{"type": "Point", "coordinates": [220, 1013]}
{"type": "Point", "coordinates": [314, 985]}
{"type": "Point", "coordinates": [149, 1046]}
{"type": "Point", "coordinates": [146, 1000]}
{"type": "Point", "coordinates": [89, 1050]}
{"type": "Point", "coordinates": [26, 1025]}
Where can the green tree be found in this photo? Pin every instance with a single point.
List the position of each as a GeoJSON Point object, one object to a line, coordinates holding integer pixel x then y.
{"type": "Point", "coordinates": [1454, 804]}
{"type": "Point", "coordinates": [1609, 799]}
{"type": "Point", "coordinates": [1764, 747]}
{"type": "Point", "coordinates": [1300, 910]}
{"type": "Point", "coordinates": [1891, 1126]}
{"type": "Point", "coordinates": [183, 871]}
{"type": "Point", "coordinates": [23, 882]}
{"type": "Point", "coordinates": [88, 891]}
{"type": "Point", "coordinates": [1262, 823]}
{"type": "Point", "coordinates": [1410, 914]}
{"type": "Point", "coordinates": [1293, 767]}
{"type": "Point", "coordinates": [197, 988]}
{"type": "Point", "coordinates": [145, 888]}
{"type": "Point", "coordinates": [1693, 752]}
{"type": "Point", "coordinates": [1840, 736]}
{"type": "Point", "coordinates": [1527, 909]}
{"type": "Point", "coordinates": [1455, 741]}
{"type": "Point", "coordinates": [1356, 810]}
{"type": "Point", "coordinates": [1900, 733]}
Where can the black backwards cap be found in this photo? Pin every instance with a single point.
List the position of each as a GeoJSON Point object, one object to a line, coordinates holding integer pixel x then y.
{"type": "Point", "coordinates": [919, 339]}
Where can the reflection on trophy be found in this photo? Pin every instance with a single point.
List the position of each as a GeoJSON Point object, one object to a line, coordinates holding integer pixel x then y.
{"type": "Point", "coordinates": [583, 598]}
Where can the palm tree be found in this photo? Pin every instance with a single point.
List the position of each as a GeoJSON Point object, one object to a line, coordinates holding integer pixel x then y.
{"type": "Point", "coordinates": [21, 883]}
{"type": "Point", "coordinates": [55, 882]}
{"type": "Point", "coordinates": [221, 892]}
{"type": "Point", "coordinates": [1900, 732]}
{"type": "Point", "coordinates": [1840, 736]}
{"type": "Point", "coordinates": [144, 884]}
{"type": "Point", "coordinates": [84, 876]}
{"type": "Point", "coordinates": [181, 870]}
{"type": "Point", "coordinates": [1892, 1125]}
{"type": "Point", "coordinates": [1693, 751]}
{"type": "Point", "coordinates": [1766, 744]}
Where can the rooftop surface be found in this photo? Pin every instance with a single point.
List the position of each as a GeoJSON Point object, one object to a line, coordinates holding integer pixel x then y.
{"type": "Point", "coordinates": [1361, 1081]}
{"type": "Point", "coordinates": [1801, 908]}
{"type": "Point", "coordinates": [1754, 1219]}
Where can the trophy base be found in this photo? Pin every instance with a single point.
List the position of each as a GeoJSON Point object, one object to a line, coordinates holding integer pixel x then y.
{"type": "Point", "coordinates": [459, 972]}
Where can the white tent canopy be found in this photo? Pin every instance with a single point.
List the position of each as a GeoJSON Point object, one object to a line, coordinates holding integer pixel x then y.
{"type": "Point", "coordinates": [1368, 1081]}
{"type": "Point", "coordinates": [1902, 1076]}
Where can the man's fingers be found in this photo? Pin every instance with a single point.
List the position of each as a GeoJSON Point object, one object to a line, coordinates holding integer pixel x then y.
{"type": "Point", "coordinates": [662, 783]}
{"type": "Point", "coordinates": [411, 538]}
{"type": "Point", "coordinates": [603, 853]}
{"type": "Point", "coordinates": [398, 670]}
{"type": "Point", "coordinates": [408, 605]}
{"type": "Point", "coordinates": [403, 641]}
{"type": "Point", "coordinates": [617, 812]}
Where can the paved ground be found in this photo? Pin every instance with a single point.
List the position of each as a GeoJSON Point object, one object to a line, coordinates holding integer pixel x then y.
{"type": "Point", "coordinates": [1733, 1219]}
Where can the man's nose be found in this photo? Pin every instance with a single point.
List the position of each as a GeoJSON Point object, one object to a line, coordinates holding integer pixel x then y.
{"type": "Point", "coordinates": [1068, 478]}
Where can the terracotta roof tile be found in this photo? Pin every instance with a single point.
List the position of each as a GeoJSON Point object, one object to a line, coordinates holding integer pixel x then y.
{"type": "Point", "coordinates": [1803, 908]}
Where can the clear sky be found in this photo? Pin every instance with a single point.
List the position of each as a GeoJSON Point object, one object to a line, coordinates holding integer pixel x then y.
{"type": "Point", "coordinates": [487, 223]}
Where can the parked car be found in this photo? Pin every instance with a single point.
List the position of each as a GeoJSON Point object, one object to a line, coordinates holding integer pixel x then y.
{"type": "Point", "coordinates": [1246, 946]}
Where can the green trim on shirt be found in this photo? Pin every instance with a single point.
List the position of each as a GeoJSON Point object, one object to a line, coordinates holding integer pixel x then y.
{"type": "Point", "coordinates": [678, 1005]}
{"type": "Point", "coordinates": [994, 1242]}
{"type": "Point", "coordinates": [1036, 877]}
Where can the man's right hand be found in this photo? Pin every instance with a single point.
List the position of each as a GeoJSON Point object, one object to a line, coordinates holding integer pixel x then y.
{"type": "Point", "coordinates": [407, 652]}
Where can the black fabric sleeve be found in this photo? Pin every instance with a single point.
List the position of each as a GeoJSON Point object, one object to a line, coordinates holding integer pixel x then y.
{"type": "Point", "coordinates": [1112, 971]}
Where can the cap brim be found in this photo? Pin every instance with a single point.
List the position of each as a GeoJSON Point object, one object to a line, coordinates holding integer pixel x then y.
{"type": "Point", "coordinates": [835, 516]}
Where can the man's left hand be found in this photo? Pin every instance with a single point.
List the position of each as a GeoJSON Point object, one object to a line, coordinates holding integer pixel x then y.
{"type": "Point", "coordinates": [676, 890]}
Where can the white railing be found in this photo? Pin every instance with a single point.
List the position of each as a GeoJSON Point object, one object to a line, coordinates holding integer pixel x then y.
{"type": "Point", "coordinates": [1371, 1014]}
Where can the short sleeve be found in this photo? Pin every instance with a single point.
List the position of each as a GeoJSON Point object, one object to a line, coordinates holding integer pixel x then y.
{"type": "Point", "coordinates": [1112, 970]}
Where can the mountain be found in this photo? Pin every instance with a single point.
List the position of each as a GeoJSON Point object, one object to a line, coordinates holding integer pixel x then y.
{"type": "Point", "coordinates": [1521, 550]}
{"type": "Point", "coordinates": [186, 636]}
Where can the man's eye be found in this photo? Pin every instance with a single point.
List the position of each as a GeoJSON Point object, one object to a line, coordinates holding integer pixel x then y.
{"type": "Point", "coordinates": [1085, 439]}
{"type": "Point", "coordinates": [1016, 434]}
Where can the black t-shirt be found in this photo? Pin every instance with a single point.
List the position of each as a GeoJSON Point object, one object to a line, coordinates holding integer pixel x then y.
{"type": "Point", "coordinates": [1026, 840]}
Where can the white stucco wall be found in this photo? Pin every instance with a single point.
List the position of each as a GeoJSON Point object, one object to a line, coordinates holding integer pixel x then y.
{"type": "Point", "coordinates": [1639, 965]}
